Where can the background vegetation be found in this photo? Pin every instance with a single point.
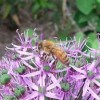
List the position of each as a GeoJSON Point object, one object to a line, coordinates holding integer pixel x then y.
{"type": "Point", "coordinates": [61, 18]}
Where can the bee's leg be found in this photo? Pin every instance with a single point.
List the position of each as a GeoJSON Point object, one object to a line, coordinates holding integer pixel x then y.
{"type": "Point", "coordinates": [53, 57]}
{"type": "Point", "coordinates": [45, 56]}
{"type": "Point", "coordinates": [48, 56]}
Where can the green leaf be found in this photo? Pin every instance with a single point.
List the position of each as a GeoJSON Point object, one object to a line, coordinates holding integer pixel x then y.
{"type": "Point", "coordinates": [98, 26]}
{"type": "Point", "coordinates": [95, 44]}
{"type": "Point", "coordinates": [35, 9]}
{"type": "Point", "coordinates": [81, 18]}
{"type": "Point", "coordinates": [85, 6]}
{"type": "Point", "coordinates": [7, 10]}
{"type": "Point", "coordinates": [63, 34]}
{"type": "Point", "coordinates": [29, 32]}
{"type": "Point", "coordinates": [1, 2]}
{"type": "Point", "coordinates": [79, 36]}
{"type": "Point", "coordinates": [98, 1]}
{"type": "Point", "coordinates": [51, 6]}
{"type": "Point", "coordinates": [93, 41]}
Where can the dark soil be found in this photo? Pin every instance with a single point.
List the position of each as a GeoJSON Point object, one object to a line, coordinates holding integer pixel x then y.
{"type": "Point", "coordinates": [7, 35]}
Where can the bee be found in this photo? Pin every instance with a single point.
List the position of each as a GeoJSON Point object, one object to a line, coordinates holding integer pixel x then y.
{"type": "Point", "coordinates": [51, 48]}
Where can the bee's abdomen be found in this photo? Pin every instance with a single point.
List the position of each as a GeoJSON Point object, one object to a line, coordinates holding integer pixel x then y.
{"type": "Point", "coordinates": [62, 56]}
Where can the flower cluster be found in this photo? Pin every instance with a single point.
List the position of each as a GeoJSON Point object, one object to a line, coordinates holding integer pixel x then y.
{"type": "Point", "coordinates": [27, 74]}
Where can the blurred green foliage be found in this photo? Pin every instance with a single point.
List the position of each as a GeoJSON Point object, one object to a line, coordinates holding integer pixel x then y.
{"type": "Point", "coordinates": [9, 7]}
{"type": "Point", "coordinates": [86, 15]}
{"type": "Point", "coordinates": [39, 6]}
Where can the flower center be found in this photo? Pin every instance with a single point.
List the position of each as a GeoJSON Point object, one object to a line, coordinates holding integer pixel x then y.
{"type": "Point", "coordinates": [5, 78]}
{"type": "Point", "coordinates": [90, 74]}
{"type": "Point", "coordinates": [46, 68]}
{"type": "Point", "coordinates": [65, 86]}
{"type": "Point", "coordinates": [42, 90]}
{"type": "Point", "coordinates": [19, 91]}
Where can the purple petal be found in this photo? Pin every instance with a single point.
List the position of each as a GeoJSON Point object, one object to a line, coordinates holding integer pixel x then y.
{"type": "Point", "coordinates": [41, 97]}
{"type": "Point", "coordinates": [31, 96]}
{"type": "Point", "coordinates": [86, 86]}
{"type": "Point", "coordinates": [93, 94]}
{"type": "Point", "coordinates": [96, 82]}
{"type": "Point", "coordinates": [97, 77]}
{"type": "Point", "coordinates": [27, 58]}
{"type": "Point", "coordinates": [30, 84]}
{"type": "Point", "coordinates": [62, 70]}
{"type": "Point", "coordinates": [78, 77]}
{"type": "Point", "coordinates": [25, 63]}
{"type": "Point", "coordinates": [24, 53]}
{"type": "Point", "coordinates": [78, 70]}
{"type": "Point", "coordinates": [53, 79]}
{"type": "Point", "coordinates": [41, 80]}
{"type": "Point", "coordinates": [31, 74]}
{"type": "Point", "coordinates": [62, 97]}
{"type": "Point", "coordinates": [53, 85]}
{"type": "Point", "coordinates": [16, 46]}
{"type": "Point", "coordinates": [90, 68]}
{"type": "Point", "coordinates": [51, 95]}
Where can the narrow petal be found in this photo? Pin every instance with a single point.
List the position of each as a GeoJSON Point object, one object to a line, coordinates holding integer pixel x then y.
{"type": "Point", "coordinates": [54, 79]}
{"type": "Point", "coordinates": [78, 77]}
{"type": "Point", "coordinates": [10, 48]}
{"type": "Point", "coordinates": [27, 58]}
{"type": "Point", "coordinates": [51, 95]}
{"type": "Point", "coordinates": [25, 63]}
{"type": "Point", "coordinates": [31, 96]}
{"type": "Point", "coordinates": [41, 97]}
{"type": "Point", "coordinates": [78, 70]}
{"type": "Point", "coordinates": [30, 84]}
{"type": "Point", "coordinates": [94, 94]}
{"type": "Point", "coordinates": [96, 82]}
{"type": "Point", "coordinates": [24, 53]}
{"type": "Point", "coordinates": [86, 86]}
{"type": "Point", "coordinates": [16, 46]}
{"type": "Point", "coordinates": [53, 85]}
{"type": "Point", "coordinates": [97, 77]}
{"type": "Point", "coordinates": [44, 82]}
{"type": "Point", "coordinates": [90, 68]}
{"type": "Point", "coordinates": [41, 80]}
{"type": "Point", "coordinates": [31, 74]}
{"type": "Point", "coordinates": [62, 97]}
{"type": "Point", "coordinates": [58, 71]}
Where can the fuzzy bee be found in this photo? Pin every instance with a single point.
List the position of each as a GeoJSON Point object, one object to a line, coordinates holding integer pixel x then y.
{"type": "Point", "coordinates": [51, 48]}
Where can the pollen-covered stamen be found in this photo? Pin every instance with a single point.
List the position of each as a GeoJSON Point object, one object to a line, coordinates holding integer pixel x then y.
{"type": "Point", "coordinates": [19, 91]}
{"type": "Point", "coordinates": [46, 68]}
{"type": "Point", "coordinates": [5, 79]}
{"type": "Point", "coordinates": [9, 97]}
{"type": "Point", "coordinates": [65, 86]}
{"type": "Point", "coordinates": [42, 90]}
{"type": "Point", "coordinates": [90, 74]}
